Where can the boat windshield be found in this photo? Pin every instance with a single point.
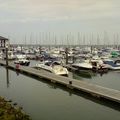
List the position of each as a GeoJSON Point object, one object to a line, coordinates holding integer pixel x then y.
{"type": "Point", "coordinates": [56, 63]}
{"type": "Point", "coordinates": [110, 63]}
{"type": "Point", "coordinates": [48, 63]}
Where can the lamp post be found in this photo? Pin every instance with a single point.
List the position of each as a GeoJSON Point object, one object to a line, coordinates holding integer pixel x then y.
{"type": "Point", "coordinates": [6, 47]}
{"type": "Point", "coordinates": [66, 55]}
{"type": "Point", "coordinates": [40, 50]}
{"type": "Point", "coordinates": [7, 77]}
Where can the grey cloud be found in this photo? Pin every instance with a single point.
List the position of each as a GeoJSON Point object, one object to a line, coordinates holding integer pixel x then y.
{"type": "Point", "coordinates": [71, 15]}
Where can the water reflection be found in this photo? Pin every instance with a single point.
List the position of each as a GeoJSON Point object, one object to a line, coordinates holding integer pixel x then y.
{"type": "Point", "coordinates": [72, 92]}
{"type": "Point", "coordinates": [7, 77]}
{"type": "Point", "coordinates": [17, 73]}
{"type": "Point", "coordinates": [101, 101]}
{"type": "Point", "coordinates": [52, 85]}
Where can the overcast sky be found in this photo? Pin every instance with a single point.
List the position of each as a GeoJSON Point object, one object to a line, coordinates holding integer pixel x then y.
{"type": "Point", "coordinates": [25, 17]}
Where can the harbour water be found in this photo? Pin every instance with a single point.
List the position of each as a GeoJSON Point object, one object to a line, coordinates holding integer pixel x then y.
{"type": "Point", "coordinates": [46, 101]}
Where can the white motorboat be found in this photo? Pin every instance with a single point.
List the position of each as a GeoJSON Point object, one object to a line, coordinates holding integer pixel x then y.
{"type": "Point", "coordinates": [53, 67]}
{"type": "Point", "coordinates": [21, 59]}
{"type": "Point", "coordinates": [90, 64]}
{"type": "Point", "coordinates": [84, 65]}
{"type": "Point", "coordinates": [11, 55]}
{"type": "Point", "coordinates": [111, 64]}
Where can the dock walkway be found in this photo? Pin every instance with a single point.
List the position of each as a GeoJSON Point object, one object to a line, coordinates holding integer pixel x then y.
{"type": "Point", "coordinates": [92, 89]}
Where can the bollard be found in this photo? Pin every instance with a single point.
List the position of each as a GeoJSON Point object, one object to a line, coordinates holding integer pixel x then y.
{"type": "Point", "coordinates": [70, 82]}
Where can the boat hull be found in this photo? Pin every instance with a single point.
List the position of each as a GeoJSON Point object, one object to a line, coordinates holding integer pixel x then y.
{"type": "Point", "coordinates": [23, 63]}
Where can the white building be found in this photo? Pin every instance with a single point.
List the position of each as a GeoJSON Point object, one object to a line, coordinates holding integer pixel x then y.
{"type": "Point", "coordinates": [3, 43]}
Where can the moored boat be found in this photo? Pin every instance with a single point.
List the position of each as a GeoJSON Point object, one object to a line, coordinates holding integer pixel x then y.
{"type": "Point", "coordinates": [22, 60]}
{"type": "Point", "coordinates": [111, 64]}
{"type": "Point", "coordinates": [53, 67]}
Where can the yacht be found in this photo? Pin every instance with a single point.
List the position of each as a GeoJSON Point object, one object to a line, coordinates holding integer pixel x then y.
{"type": "Point", "coordinates": [91, 64]}
{"type": "Point", "coordinates": [53, 67]}
{"type": "Point", "coordinates": [84, 65]}
{"type": "Point", "coordinates": [21, 59]}
{"type": "Point", "coordinates": [111, 64]}
{"type": "Point", "coordinates": [11, 55]}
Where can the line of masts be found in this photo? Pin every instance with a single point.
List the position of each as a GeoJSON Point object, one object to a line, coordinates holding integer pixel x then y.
{"type": "Point", "coordinates": [48, 38]}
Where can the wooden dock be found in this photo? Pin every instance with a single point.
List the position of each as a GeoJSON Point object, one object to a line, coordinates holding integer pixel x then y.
{"type": "Point", "coordinates": [92, 89]}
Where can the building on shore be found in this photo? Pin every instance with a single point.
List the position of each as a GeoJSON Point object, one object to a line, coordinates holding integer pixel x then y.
{"type": "Point", "coordinates": [4, 42]}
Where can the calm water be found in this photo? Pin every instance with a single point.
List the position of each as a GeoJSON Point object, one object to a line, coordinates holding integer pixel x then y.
{"type": "Point", "coordinates": [110, 79]}
{"type": "Point", "coordinates": [44, 101]}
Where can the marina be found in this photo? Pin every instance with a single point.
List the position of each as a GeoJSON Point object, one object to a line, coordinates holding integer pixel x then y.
{"type": "Point", "coordinates": [94, 90]}
{"type": "Point", "coordinates": [60, 60]}
{"type": "Point", "coordinates": [38, 97]}
{"type": "Point", "coordinates": [77, 70]}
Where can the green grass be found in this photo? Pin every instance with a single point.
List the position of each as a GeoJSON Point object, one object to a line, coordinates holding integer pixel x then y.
{"type": "Point", "coordinates": [8, 112]}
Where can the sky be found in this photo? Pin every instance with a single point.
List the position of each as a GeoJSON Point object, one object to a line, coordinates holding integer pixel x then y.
{"type": "Point", "coordinates": [35, 20]}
